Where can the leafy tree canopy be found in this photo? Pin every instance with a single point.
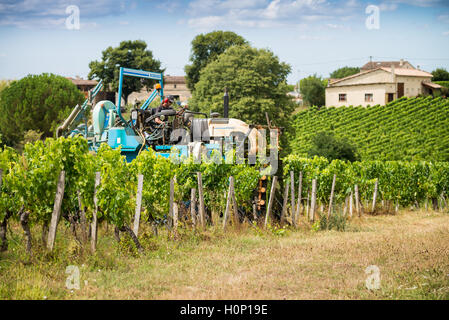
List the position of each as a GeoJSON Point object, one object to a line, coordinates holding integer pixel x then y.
{"type": "Point", "coordinates": [36, 102]}
{"type": "Point", "coordinates": [440, 74]}
{"type": "Point", "coordinates": [206, 48]}
{"type": "Point", "coordinates": [344, 72]}
{"type": "Point", "coordinates": [313, 90]}
{"type": "Point", "coordinates": [328, 146]}
{"type": "Point", "coordinates": [256, 81]}
{"type": "Point", "coordinates": [129, 54]}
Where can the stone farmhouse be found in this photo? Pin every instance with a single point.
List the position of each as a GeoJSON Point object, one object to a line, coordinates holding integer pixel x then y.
{"type": "Point", "coordinates": [379, 83]}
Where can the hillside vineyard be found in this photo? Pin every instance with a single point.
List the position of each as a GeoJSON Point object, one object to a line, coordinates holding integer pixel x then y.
{"type": "Point", "coordinates": [406, 129]}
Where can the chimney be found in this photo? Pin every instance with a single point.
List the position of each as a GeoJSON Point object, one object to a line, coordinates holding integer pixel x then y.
{"type": "Point", "coordinates": [393, 78]}
{"type": "Point", "coordinates": [401, 63]}
{"type": "Point", "coordinates": [226, 104]}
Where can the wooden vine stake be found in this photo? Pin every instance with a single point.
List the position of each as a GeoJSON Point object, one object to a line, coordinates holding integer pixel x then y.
{"type": "Point", "coordinates": [94, 224]}
{"type": "Point", "coordinates": [83, 219]}
{"type": "Point", "coordinates": [56, 211]}
{"type": "Point", "coordinates": [138, 204]}
{"type": "Point", "coordinates": [357, 200]}
{"type": "Point", "coordinates": [271, 200]}
{"type": "Point", "coordinates": [193, 206]}
{"type": "Point", "coordinates": [201, 200]}
{"type": "Point", "coordinates": [307, 204]}
{"type": "Point", "coordinates": [284, 204]}
{"type": "Point", "coordinates": [313, 201]}
{"type": "Point", "coordinates": [375, 195]}
{"type": "Point", "coordinates": [170, 203]}
{"type": "Point", "coordinates": [235, 215]}
{"type": "Point", "coordinates": [350, 205]}
{"type": "Point", "coordinates": [228, 202]}
{"type": "Point", "coordinates": [298, 202]}
{"type": "Point", "coordinates": [292, 190]}
{"type": "Point", "coordinates": [331, 198]}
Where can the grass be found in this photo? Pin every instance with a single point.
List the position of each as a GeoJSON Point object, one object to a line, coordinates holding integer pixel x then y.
{"type": "Point", "coordinates": [411, 250]}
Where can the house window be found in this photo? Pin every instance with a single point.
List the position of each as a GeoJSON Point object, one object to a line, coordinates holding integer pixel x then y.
{"type": "Point", "coordinates": [342, 97]}
{"type": "Point", "coordinates": [174, 86]}
{"type": "Point", "coordinates": [369, 97]}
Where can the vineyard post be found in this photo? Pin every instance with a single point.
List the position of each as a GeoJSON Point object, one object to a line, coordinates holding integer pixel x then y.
{"type": "Point", "coordinates": [236, 219]}
{"type": "Point", "coordinates": [350, 204]}
{"type": "Point", "coordinates": [56, 211]}
{"type": "Point", "coordinates": [93, 238]}
{"type": "Point", "coordinates": [313, 201]}
{"type": "Point", "coordinates": [298, 205]}
{"type": "Point", "coordinates": [193, 206]}
{"type": "Point", "coordinates": [3, 224]}
{"type": "Point", "coordinates": [175, 210]}
{"type": "Point", "coordinates": [170, 207]}
{"type": "Point", "coordinates": [345, 206]}
{"type": "Point", "coordinates": [292, 185]}
{"type": "Point", "coordinates": [228, 202]}
{"type": "Point", "coordinates": [375, 195]}
{"type": "Point", "coordinates": [357, 204]}
{"type": "Point", "coordinates": [307, 204]}
{"type": "Point", "coordinates": [284, 205]}
{"type": "Point", "coordinates": [443, 201]}
{"type": "Point", "coordinates": [201, 199]}
{"type": "Point", "coordinates": [331, 197]}
{"type": "Point", "coordinates": [83, 220]}
{"type": "Point", "coordinates": [138, 204]}
{"type": "Point", "coordinates": [270, 201]}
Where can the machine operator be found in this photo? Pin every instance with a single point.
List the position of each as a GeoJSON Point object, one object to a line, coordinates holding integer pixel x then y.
{"type": "Point", "coordinates": [165, 105]}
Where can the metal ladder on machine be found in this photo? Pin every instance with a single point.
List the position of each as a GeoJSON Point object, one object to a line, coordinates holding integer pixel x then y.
{"type": "Point", "coordinates": [71, 125]}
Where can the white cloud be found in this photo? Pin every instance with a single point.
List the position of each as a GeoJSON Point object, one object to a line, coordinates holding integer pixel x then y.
{"type": "Point", "coordinates": [422, 3]}
{"type": "Point", "coordinates": [52, 13]}
{"type": "Point", "coordinates": [266, 13]}
{"type": "Point", "coordinates": [444, 18]}
{"type": "Point", "coordinates": [205, 22]}
{"type": "Point", "coordinates": [271, 12]}
{"type": "Point", "coordinates": [388, 6]}
{"type": "Point", "coordinates": [446, 33]}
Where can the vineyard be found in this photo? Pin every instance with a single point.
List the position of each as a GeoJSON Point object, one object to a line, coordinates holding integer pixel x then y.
{"type": "Point", "coordinates": [60, 175]}
{"type": "Point", "coordinates": [405, 129]}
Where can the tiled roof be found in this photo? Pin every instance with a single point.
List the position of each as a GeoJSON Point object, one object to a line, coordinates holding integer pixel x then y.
{"type": "Point", "coordinates": [82, 82]}
{"type": "Point", "coordinates": [397, 71]}
{"type": "Point", "coordinates": [174, 79]}
{"type": "Point", "coordinates": [408, 72]}
{"type": "Point", "coordinates": [432, 85]}
{"type": "Point", "coordinates": [380, 64]}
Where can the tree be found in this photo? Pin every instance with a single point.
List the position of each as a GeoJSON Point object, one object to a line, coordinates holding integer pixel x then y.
{"type": "Point", "coordinates": [256, 81]}
{"type": "Point", "coordinates": [440, 74]}
{"type": "Point", "coordinates": [129, 54]}
{"type": "Point", "coordinates": [344, 72]}
{"type": "Point", "coordinates": [36, 102]}
{"type": "Point", "coordinates": [206, 48]}
{"type": "Point", "coordinates": [328, 146]}
{"type": "Point", "coordinates": [312, 89]}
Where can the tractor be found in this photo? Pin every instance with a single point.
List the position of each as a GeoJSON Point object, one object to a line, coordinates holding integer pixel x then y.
{"type": "Point", "coordinates": [182, 133]}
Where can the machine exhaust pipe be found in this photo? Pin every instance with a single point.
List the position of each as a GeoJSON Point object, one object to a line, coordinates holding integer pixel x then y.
{"type": "Point", "coordinates": [68, 121]}
{"type": "Point", "coordinates": [226, 104]}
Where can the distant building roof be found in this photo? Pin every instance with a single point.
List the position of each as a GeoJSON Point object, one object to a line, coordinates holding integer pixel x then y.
{"type": "Point", "coordinates": [174, 79]}
{"type": "Point", "coordinates": [387, 64]}
{"type": "Point", "coordinates": [408, 72]}
{"type": "Point", "coordinates": [432, 85]}
{"type": "Point", "coordinates": [397, 71]}
{"type": "Point", "coordinates": [82, 82]}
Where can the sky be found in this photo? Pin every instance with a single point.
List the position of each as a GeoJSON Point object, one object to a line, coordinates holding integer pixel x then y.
{"type": "Point", "coordinates": [312, 36]}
